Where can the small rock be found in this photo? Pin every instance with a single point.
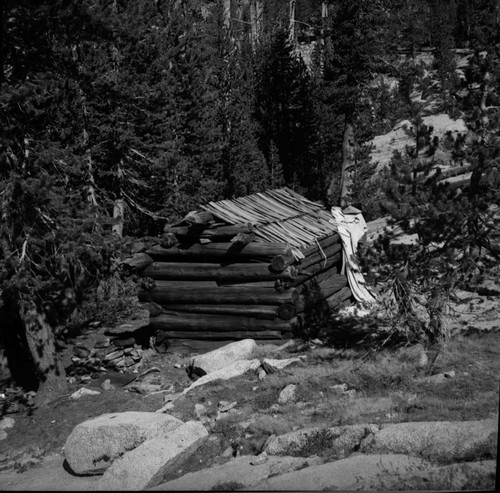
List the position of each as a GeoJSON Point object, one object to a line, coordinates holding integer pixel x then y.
{"type": "Point", "coordinates": [83, 391]}
{"type": "Point", "coordinates": [95, 324]}
{"type": "Point", "coordinates": [224, 356]}
{"type": "Point", "coordinates": [260, 459]}
{"type": "Point", "coordinates": [177, 365]}
{"type": "Point", "coordinates": [279, 364]}
{"type": "Point", "coordinates": [350, 393]}
{"type": "Point", "coordinates": [288, 394]}
{"type": "Point", "coordinates": [107, 385]}
{"type": "Point", "coordinates": [3, 435]}
{"type": "Point", "coordinates": [262, 374]}
{"type": "Point", "coordinates": [144, 387]}
{"type": "Point", "coordinates": [128, 342]}
{"type": "Point", "coordinates": [228, 452]}
{"type": "Point", "coordinates": [81, 351]}
{"type": "Point", "coordinates": [201, 412]}
{"type": "Point", "coordinates": [85, 378]}
{"type": "Point", "coordinates": [128, 350]}
{"type": "Point", "coordinates": [76, 359]}
{"type": "Point", "coordinates": [340, 388]}
{"type": "Point", "coordinates": [7, 423]}
{"type": "Point", "coordinates": [227, 406]}
{"type": "Point", "coordinates": [102, 342]}
{"type": "Point", "coordinates": [129, 361]}
{"type": "Point", "coordinates": [449, 374]}
{"type": "Point", "coordinates": [114, 355]}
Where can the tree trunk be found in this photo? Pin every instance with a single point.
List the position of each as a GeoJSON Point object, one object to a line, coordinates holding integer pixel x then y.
{"type": "Point", "coordinates": [348, 160]}
{"type": "Point", "coordinates": [118, 216]}
{"type": "Point", "coordinates": [48, 366]}
{"type": "Point", "coordinates": [292, 22]}
{"type": "Point", "coordinates": [226, 13]}
{"type": "Point", "coordinates": [2, 40]}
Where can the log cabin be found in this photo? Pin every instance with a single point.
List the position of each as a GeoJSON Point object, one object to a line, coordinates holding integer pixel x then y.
{"type": "Point", "coordinates": [265, 266]}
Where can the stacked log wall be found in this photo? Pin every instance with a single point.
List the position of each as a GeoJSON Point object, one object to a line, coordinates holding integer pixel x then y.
{"type": "Point", "coordinates": [207, 290]}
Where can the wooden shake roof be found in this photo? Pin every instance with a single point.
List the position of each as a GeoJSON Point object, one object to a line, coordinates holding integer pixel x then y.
{"type": "Point", "coordinates": [278, 216]}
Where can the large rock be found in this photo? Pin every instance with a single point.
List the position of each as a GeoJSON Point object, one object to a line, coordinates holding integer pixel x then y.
{"type": "Point", "coordinates": [342, 473]}
{"type": "Point", "coordinates": [237, 473]}
{"type": "Point", "coordinates": [94, 444]}
{"type": "Point", "coordinates": [224, 356]}
{"type": "Point", "coordinates": [339, 440]}
{"type": "Point", "coordinates": [437, 440]}
{"type": "Point", "coordinates": [234, 370]}
{"type": "Point", "coordinates": [467, 476]}
{"type": "Point", "coordinates": [147, 465]}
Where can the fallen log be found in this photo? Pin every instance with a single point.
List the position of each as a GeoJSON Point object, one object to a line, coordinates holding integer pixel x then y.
{"type": "Point", "coordinates": [192, 322]}
{"type": "Point", "coordinates": [164, 293]}
{"type": "Point", "coordinates": [284, 311]}
{"type": "Point", "coordinates": [218, 251]}
{"type": "Point", "coordinates": [216, 272]}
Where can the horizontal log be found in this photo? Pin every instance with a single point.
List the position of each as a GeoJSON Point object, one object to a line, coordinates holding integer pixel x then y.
{"type": "Point", "coordinates": [218, 336]}
{"type": "Point", "coordinates": [320, 256]}
{"type": "Point", "coordinates": [281, 262]}
{"type": "Point", "coordinates": [315, 269]}
{"type": "Point", "coordinates": [330, 245]}
{"type": "Point", "coordinates": [164, 294]}
{"type": "Point", "coordinates": [216, 272]}
{"type": "Point", "coordinates": [138, 261]}
{"type": "Point", "coordinates": [337, 298]}
{"type": "Point", "coordinates": [182, 321]}
{"type": "Point", "coordinates": [285, 311]}
{"type": "Point", "coordinates": [314, 292]}
{"type": "Point", "coordinates": [324, 243]}
{"type": "Point", "coordinates": [254, 284]}
{"type": "Point", "coordinates": [220, 233]}
{"type": "Point", "coordinates": [219, 251]}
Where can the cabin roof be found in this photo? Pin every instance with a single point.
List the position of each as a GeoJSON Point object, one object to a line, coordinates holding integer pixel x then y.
{"type": "Point", "coordinates": [278, 216]}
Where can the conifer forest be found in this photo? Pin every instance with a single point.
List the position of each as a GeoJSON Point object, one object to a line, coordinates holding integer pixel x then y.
{"type": "Point", "coordinates": [118, 116]}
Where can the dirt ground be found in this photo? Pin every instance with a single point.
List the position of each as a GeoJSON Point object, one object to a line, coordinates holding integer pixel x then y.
{"type": "Point", "coordinates": [460, 382]}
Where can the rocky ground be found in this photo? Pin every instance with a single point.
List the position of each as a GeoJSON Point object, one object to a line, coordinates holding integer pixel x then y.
{"type": "Point", "coordinates": [299, 416]}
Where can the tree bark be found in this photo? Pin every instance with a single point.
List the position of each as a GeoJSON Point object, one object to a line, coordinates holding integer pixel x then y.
{"type": "Point", "coordinates": [48, 366]}
{"type": "Point", "coordinates": [291, 24]}
{"type": "Point", "coordinates": [226, 13]}
{"type": "Point", "coordinates": [348, 160]}
{"type": "Point", "coordinates": [118, 216]}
